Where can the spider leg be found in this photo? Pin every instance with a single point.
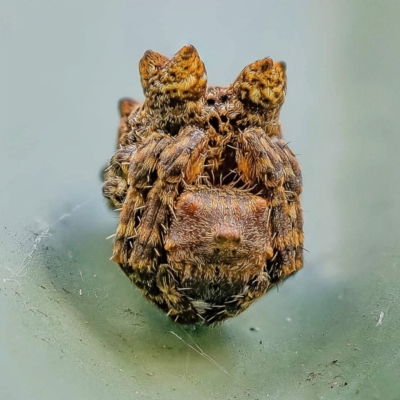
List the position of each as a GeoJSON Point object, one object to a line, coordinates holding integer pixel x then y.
{"type": "Point", "coordinates": [184, 157]}
{"type": "Point", "coordinates": [293, 187]}
{"type": "Point", "coordinates": [257, 158]}
{"type": "Point", "coordinates": [142, 164]}
{"type": "Point", "coordinates": [145, 160]}
{"type": "Point", "coordinates": [269, 162]}
{"type": "Point", "coordinates": [291, 167]}
{"type": "Point", "coordinates": [115, 176]}
{"type": "Point", "coordinates": [147, 245]}
{"type": "Point", "coordinates": [181, 160]}
{"type": "Point", "coordinates": [126, 106]}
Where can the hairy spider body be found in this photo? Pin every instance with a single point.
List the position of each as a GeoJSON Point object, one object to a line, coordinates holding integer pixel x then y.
{"type": "Point", "coordinates": [209, 193]}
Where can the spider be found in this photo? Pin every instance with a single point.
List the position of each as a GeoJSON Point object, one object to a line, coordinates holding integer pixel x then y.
{"type": "Point", "coordinates": [207, 189]}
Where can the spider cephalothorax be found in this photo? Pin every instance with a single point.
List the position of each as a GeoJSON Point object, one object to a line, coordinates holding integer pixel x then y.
{"type": "Point", "coordinates": [208, 190]}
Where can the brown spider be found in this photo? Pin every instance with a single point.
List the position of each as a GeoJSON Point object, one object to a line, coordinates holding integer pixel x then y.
{"type": "Point", "coordinates": [208, 190]}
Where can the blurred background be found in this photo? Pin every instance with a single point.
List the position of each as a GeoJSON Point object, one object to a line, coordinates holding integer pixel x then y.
{"type": "Point", "coordinates": [72, 325]}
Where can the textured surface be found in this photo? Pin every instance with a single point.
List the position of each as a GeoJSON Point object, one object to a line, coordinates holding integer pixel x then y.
{"type": "Point", "coordinates": [208, 190]}
{"type": "Point", "coordinates": [72, 326]}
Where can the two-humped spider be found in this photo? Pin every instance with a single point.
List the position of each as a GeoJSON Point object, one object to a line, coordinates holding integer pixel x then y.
{"type": "Point", "coordinates": [208, 190]}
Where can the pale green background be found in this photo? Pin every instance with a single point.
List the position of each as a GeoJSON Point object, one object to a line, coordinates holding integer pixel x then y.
{"type": "Point", "coordinates": [73, 327]}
